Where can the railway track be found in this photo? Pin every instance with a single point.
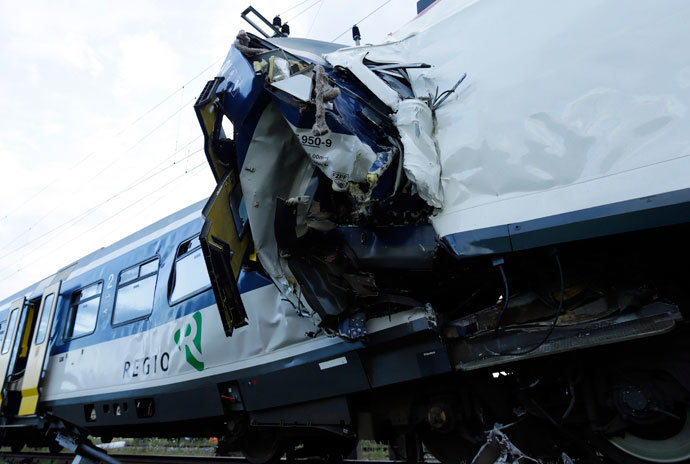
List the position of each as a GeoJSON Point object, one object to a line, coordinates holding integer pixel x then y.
{"type": "Point", "coordinates": [67, 458]}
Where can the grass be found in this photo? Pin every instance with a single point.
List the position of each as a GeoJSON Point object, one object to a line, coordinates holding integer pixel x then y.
{"type": "Point", "coordinates": [370, 450]}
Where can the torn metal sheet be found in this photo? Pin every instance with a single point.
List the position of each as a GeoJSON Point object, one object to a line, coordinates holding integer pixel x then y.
{"type": "Point", "coordinates": [299, 86]}
{"type": "Point", "coordinates": [498, 449]}
{"type": "Point", "coordinates": [371, 173]}
{"type": "Point", "coordinates": [263, 178]}
{"type": "Point", "coordinates": [422, 165]}
{"type": "Point", "coordinates": [353, 59]}
{"type": "Point", "coordinates": [332, 154]}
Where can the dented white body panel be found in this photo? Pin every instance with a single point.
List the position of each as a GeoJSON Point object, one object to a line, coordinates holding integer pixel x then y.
{"type": "Point", "coordinates": [566, 106]}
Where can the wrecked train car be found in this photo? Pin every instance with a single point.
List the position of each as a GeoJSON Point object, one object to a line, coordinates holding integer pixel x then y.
{"type": "Point", "coordinates": [471, 237]}
{"type": "Point", "coordinates": [516, 171]}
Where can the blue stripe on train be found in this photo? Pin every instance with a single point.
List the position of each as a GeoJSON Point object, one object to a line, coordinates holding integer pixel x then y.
{"type": "Point", "coordinates": [164, 248]}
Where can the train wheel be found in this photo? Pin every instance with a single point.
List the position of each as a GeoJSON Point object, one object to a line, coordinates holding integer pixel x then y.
{"type": "Point", "coordinates": [261, 447]}
{"type": "Point", "coordinates": [640, 447]}
{"type": "Point", "coordinates": [650, 421]}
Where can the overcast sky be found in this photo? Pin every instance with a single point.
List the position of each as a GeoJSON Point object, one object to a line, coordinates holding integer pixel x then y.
{"type": "Point", "coordinates": [98, 136]}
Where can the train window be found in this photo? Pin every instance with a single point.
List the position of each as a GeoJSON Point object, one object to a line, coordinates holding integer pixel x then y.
{"type": "Point", "coordinates": [189, 275]}
{"type": "Point", "coordinates": [129, 275]}
{"type": "Point", "coordinates": [149, 268]}
{"type": "Point", "coordinates": [83, 311]}
{"type": "Point", "coordinates": [134, 297]}
{"type": "Point", "coordinates": [43, 323]}
{"type": "Point", "coordinates": [6, 342]}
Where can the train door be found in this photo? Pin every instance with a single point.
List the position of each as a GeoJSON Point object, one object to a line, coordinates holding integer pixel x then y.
{"type": "Point", "coordinates": [38, 348]}
{"type": "Point", "coordinates": [225, 237]}
{"type": "Point", "coordinates": [8, 342]}
{"type": "Point", "coordinates": [225, 242]}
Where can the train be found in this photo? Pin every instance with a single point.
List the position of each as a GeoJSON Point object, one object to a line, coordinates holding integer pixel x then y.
{"type": "Point", "coordinates": [470, 240]}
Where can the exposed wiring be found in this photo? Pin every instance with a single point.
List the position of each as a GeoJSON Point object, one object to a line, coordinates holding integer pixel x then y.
{"type": "Point", "coordinates": [506, 299]}
{"type": "Point", "coordinates": [360, 21]}
{"type": "Point", "coordinates": [439, 99]}
{"type": "Point", "coordinates": [553, 324]}
{"type": "Point", "coordinates": [571, 405]}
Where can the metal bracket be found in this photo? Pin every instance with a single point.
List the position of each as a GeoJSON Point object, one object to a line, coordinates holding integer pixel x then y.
{"type": "Point", "coordinates": [251, 9]}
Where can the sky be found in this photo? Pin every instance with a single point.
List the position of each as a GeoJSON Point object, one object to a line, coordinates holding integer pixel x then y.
{"type": "Point", "coordinates": [98, 136]}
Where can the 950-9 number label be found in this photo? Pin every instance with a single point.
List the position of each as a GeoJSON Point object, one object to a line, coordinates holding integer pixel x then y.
{"type": "Point", "coordinates": [313, 141]}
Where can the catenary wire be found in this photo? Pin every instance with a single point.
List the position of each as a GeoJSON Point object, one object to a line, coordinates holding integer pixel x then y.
{"type": "Point", "coordinates": [361, 20]}
{"type": "Point", "coordinates": [313, 21]}
{"type": "Point", "coordinates": [181, 88]}
{"type": "Point", "coordinates": [304, 11]}
{"type": "Point", "coordinates": [118, 134]}
{"type": "Point", "coordinates": [129, 187]}
{"type": "Point", "coordinates": [294, 6]}
{"type": "Point", "coordinates": [140, 199]}
{"type": "Point", "coordinates": [103, 170]}
{"type": "Point", "coordinates": [118, 234]}
{"type": "Point", "coordinates": [92, 209]}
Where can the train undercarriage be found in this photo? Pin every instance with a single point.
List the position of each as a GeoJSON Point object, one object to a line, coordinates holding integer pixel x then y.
{"type": "Point", "coordinates": [547, 391]}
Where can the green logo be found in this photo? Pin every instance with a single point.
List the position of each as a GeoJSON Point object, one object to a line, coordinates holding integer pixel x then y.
{"type": "Point", "coordinates": [196, 342]}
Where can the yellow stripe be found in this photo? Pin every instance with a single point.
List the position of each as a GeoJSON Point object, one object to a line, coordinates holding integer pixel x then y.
{"type": "Point", "coordinates": [29, 402]}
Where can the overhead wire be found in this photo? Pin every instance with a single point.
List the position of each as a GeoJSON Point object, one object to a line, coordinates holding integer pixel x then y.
{"type": "Point", "coordinates": [304, 11]}
{"type": "Point", "coordinates": [294, 6]}
{"type": "Point", "coordinates": [181, 88]}
{"type": "Point", "coordinates": [103, 170]}
{"type": "Point", "coordinates": [315, 17]}
{"type": "Point", "coordinates": [92, 209]}
{"type": "Point", "coordinates": [138, 200]}
{"type": "Point", "coordinates": [117, 234]}
{"type": "Point", "coordinates": [157, 200]}
{"type": "Point", "coordinates": [118, 134]}
{"type": "Point", "coordinates": [147, 135]}
{"type": "Point", "coordinates": [361, 20]}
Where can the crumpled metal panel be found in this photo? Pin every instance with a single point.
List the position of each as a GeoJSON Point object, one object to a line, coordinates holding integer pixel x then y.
{"type": "Point", "coordinates": [241, 87]}
{"type": "Point", "coordinates": [272, 153]}
{"type": "Point", "coordinates": [565, 107]}
{"type": "Point", "coordinates": [414, 120]}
